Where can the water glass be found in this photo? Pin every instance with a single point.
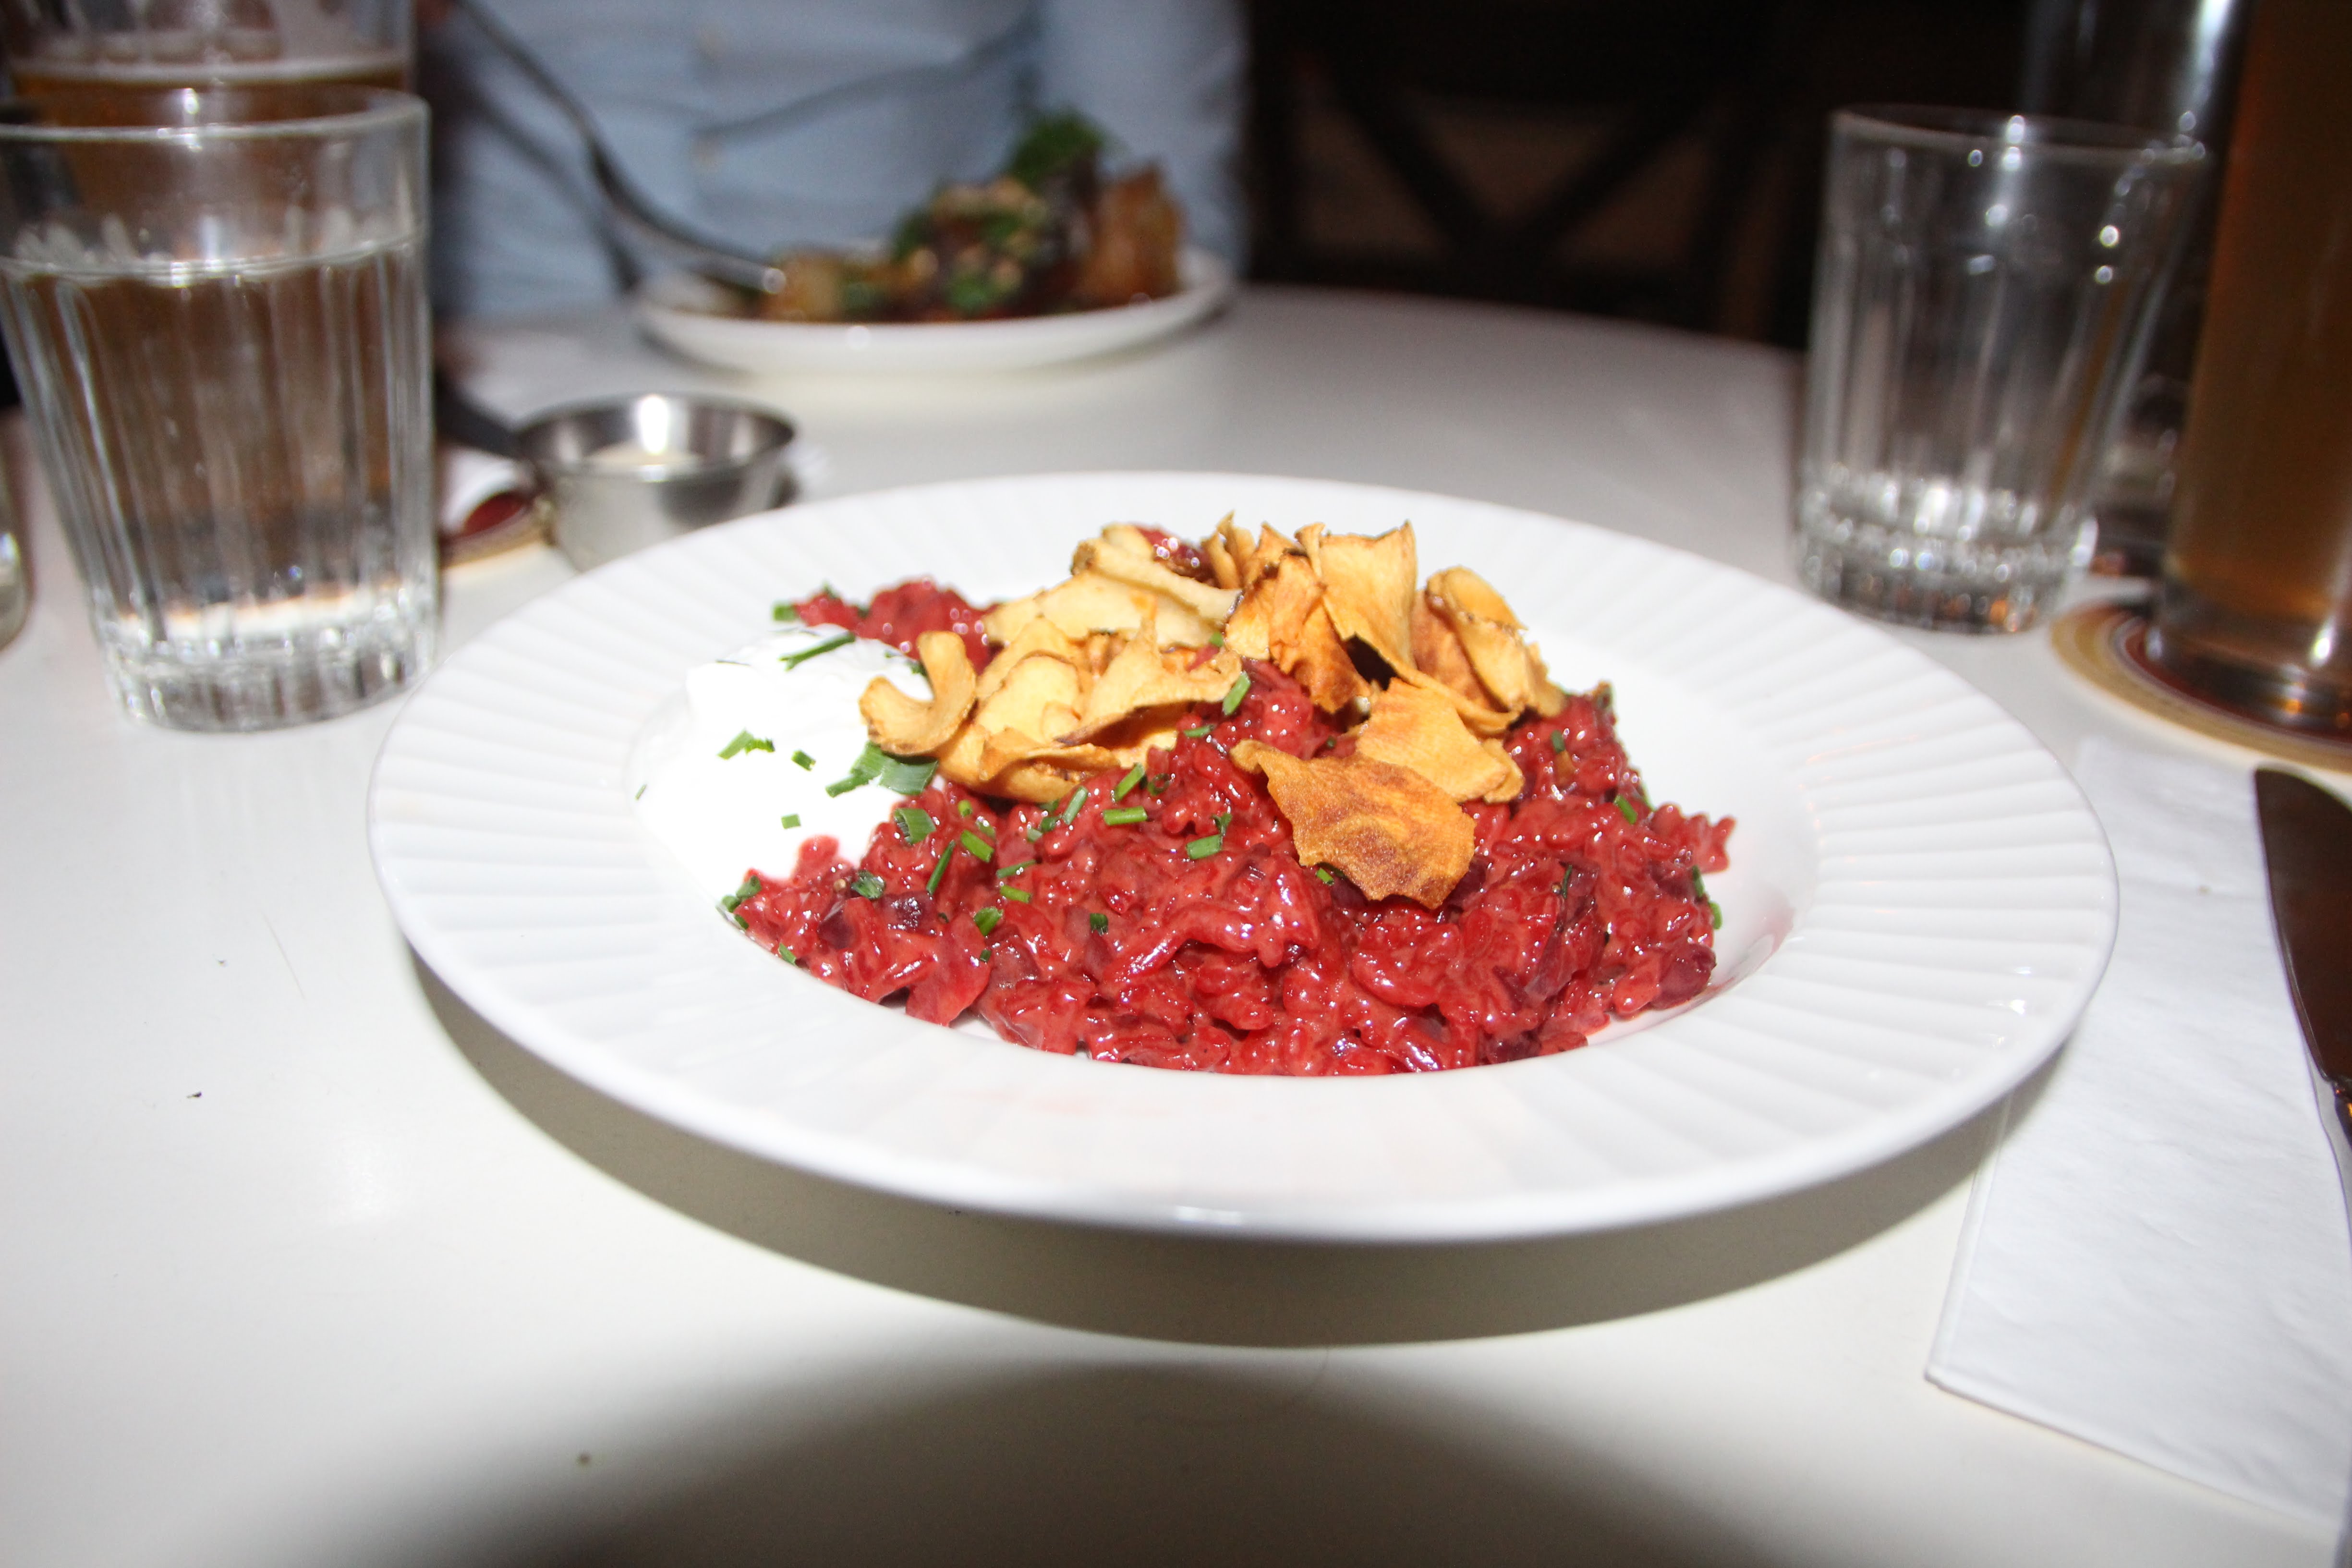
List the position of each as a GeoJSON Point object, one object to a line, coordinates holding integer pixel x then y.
{"type": "Point", "coordinates": [215, 302]}
{"type": "Point", "coordinates": [1982, 304]}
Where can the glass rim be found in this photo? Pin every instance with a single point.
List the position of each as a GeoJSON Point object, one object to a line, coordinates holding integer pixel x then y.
{"type": "Point", "coordinates": [2046, 136]}
{"type": "Point", "coordinates": [370, 108]}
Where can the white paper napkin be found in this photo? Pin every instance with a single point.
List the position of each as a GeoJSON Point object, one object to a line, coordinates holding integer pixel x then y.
{"type": "Point", "coordinates": [2156, 1257]}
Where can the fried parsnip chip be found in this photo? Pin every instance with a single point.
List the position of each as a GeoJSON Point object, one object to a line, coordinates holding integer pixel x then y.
{"type": "Point", "coordinates": [1124, 556]}
{"type": "Point", "coordinates": [1497, 648]}
{"type": "Point", "coordinates": [1041, 698]}
{"type": "Point", "coordinates": [1390, 830]}
{"type": "Point", "coordinates": [1040, 638]}
{"type": "Point", "coordinates": [1480, 718]}
{"type": "Point", "coordinates": [1415, 727]}
{"type": "Point", "coordinates": [1368, 587]}
{"type": "Point", "coordinates": [906, 728]}
{"type": "Point", "coordinates": [1439, 652]}
{"type": "Point", "coordinates": [1217, 550]}
{"type": "Point", "coordinates": [1282, 620]}
{"type": "Point", "coordinates": [1143, 675]}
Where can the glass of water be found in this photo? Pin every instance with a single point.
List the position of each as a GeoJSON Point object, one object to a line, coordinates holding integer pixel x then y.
{"type": "Point", "coordinates": [1982, 299]}
{"type": "Point", "coordinates": [215, 302]}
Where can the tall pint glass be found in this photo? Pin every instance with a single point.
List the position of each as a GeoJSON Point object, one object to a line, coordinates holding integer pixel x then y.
{"type": "Point", "coordinates": [100, 53]}
{"type": "Point", "coordinates": [2255, 608]}
{"type": "Point", "coordinates": [216, 312]}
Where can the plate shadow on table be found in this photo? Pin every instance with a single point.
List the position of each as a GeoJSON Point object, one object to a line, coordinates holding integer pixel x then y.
{"type": "Point", "coordinates": [1200, 1289]}
{"type": "Point", "coordinates": [1096, 1466]}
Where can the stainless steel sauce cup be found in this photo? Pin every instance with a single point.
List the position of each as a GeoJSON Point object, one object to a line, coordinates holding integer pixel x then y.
{"type": "Point", "coordinates": [624, 474]}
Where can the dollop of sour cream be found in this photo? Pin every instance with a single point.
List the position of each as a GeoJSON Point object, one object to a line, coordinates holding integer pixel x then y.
{"type": "Point", "coordinates": [739, 782]}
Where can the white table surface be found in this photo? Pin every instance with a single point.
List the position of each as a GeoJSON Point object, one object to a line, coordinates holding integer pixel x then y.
{"type": "Point", "coordinates": [301, 1263]}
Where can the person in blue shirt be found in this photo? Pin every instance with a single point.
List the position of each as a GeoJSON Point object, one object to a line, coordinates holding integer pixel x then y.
{"type": "Point", "coordinates": [795, 123]}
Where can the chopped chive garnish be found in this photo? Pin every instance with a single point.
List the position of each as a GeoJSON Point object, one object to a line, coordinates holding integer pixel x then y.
{"type": "Point", "coordinates": [745, 740]}
{"type": "Point", "coordinates": [788, 956]}
{"type": "Point", "coordinates": [1235, 692]}
{"type": "Point", "coordinates": [1217, 639]}
{"type": "Point", "coordinates": [914, 823]}
{"type": "Point", "coordinates": [981, 848]}
{"type": "Point", "coordinates": [866, 885]}
{"type": "Point", "coordinates": [804, 758]}
{"type": "Point", "coordinates": [1133, 778]}
{"type": "Point", "coordinates": [1224, 820]}
{"type": "Point", "coordinates": [899, 775]}
{"type": "Point", "coordinates": [640, 795]}
{"type": "Point", "coordinates": [1018, 895]}
{"type": "Point", "coordinates": [1100, 923]}
{"type": "Point", "coordinates": [1202, 848]}
{"type": "Point", "coordinates": [727, 905]}
{"type": "Point", "coordinates": [729, 911]}
{"type": "Point", "coordinates": [939, 869]}
{"type": "Point", "coordinates": [1077, 803]}
{"type": "Point", "coordinates": [1323, 874]}
{"type": "Point", "coordinates": [985, 827]}
{"type": "Point", "coordinates": [987, 921]}
{"type": "Point", "coordinates": [785, 612]}
{"type": "Point", "coordinates": [1698, 891]}
{"type": "Point", "coordinates": [1559, 742]}
{"type": "Point", "coordinates": [1157, 782]}
{"type": "Point", "coordinates": [1196, 732]}
{"type": "Point", "coordinates": [1121, 816]}
{"type": "Point", "coordinates": [1626, 809]}
{"type": "Point", "coordinates": [790, 819]}
{"type": "Point", "coordinates": [1036, 831]}
{"type": "Point", "coordinates": [794, 660]}
{"type": "Point", "coordinates": [1004, 871]}
{"type": "Point", "coordinates": [988, 955]}
{"type": "Point", "coordinates": [963, 808]}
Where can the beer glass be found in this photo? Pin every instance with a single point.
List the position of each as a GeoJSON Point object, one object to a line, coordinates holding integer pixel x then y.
{"type": "Point", "coordinates": [96, 51]}
{"type": "Point", "coordinates": [216, 312]}
{"type": "Point", "coordinates": [1980, 306]}
{"type": "Point", "coordinates": [2254, 611]}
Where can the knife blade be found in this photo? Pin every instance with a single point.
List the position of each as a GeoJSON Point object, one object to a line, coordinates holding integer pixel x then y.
{"type": "Point", "coordinates": [2307, 850]}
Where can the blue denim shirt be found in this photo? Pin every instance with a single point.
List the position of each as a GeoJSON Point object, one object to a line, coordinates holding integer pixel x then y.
{"type": "Point", "coordinates": [776, 122]}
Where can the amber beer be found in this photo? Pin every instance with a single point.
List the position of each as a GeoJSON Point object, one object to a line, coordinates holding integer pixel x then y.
{"type": "Point", "coordinates": [90, 94]}
{"type": "Point", "coordinates": [2255, 611]}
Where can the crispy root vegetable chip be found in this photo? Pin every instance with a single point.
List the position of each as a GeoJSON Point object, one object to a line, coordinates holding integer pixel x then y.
{"type": "Point", "coordinates": [1415, 727]}
{"type": "Point", "coordinates": [1042, 697]}
{"type": "Point", "coordinates": [1477, 716]}
{"type": "Point", "coordinates": [1438, 652]}
{"type": "Point", "coordinates": [1368, 587]}
{"type": "Point", "coordinates": [1508, 790]}
{"type": "Point", "coordinates": [1143, 675]}
{"type": "Point", "coordinates": [1282, 620]}
{"type": "Point", "coordinates": [1124, 556]}
{"type": "Point", "coordinates": [910, 729]}
{"type": "Point", "coordinates": [1390, 830]}
{"type": "Point", "coordinates": [1092, 602]}
{"type": "Point", "coordinates": [1510, 670]}
{"type": "Point", "coordinates": [1218, 552]}
{"type": "Point", "coordinates": [1040, 639]}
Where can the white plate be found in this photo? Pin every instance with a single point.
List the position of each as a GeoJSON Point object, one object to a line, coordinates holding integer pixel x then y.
{"type": "Point", "coordinates": [684, 313]}
{"type": "Point", "coordinates": [1918, 907]}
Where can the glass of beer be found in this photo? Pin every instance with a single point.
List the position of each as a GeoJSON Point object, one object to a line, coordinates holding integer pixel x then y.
{"type": "Point", "coordinates": [1980, 305]}
{"type": "Point", "coordinates": [214, 303]}
{"type": "Point", "coordinates": [2254, 612]}
{"type": "Point", "coordinates": [61, 52]}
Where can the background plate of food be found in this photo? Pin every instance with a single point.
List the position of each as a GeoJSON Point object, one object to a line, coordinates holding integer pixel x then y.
{"type": "Point", "coordinates": [709, 321]}
{"type": "Point", "coordinates": [1917, 906]}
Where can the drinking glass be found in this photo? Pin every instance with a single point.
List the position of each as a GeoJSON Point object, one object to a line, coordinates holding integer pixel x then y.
{"type": "Point", "coordinates": [15, 579]}
{"type": "Point", "coordinates": [2255, 608]}
{"type": "Point", "coordinates": [214, 303]}
{"type": "Point", "coordinates": [94, 51]}
{"type": "Point", "coordinates": [1982, 303]}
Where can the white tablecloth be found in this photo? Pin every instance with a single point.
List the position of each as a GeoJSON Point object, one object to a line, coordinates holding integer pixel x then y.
{"type": "Point", "coordinates": [304, 1264]}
